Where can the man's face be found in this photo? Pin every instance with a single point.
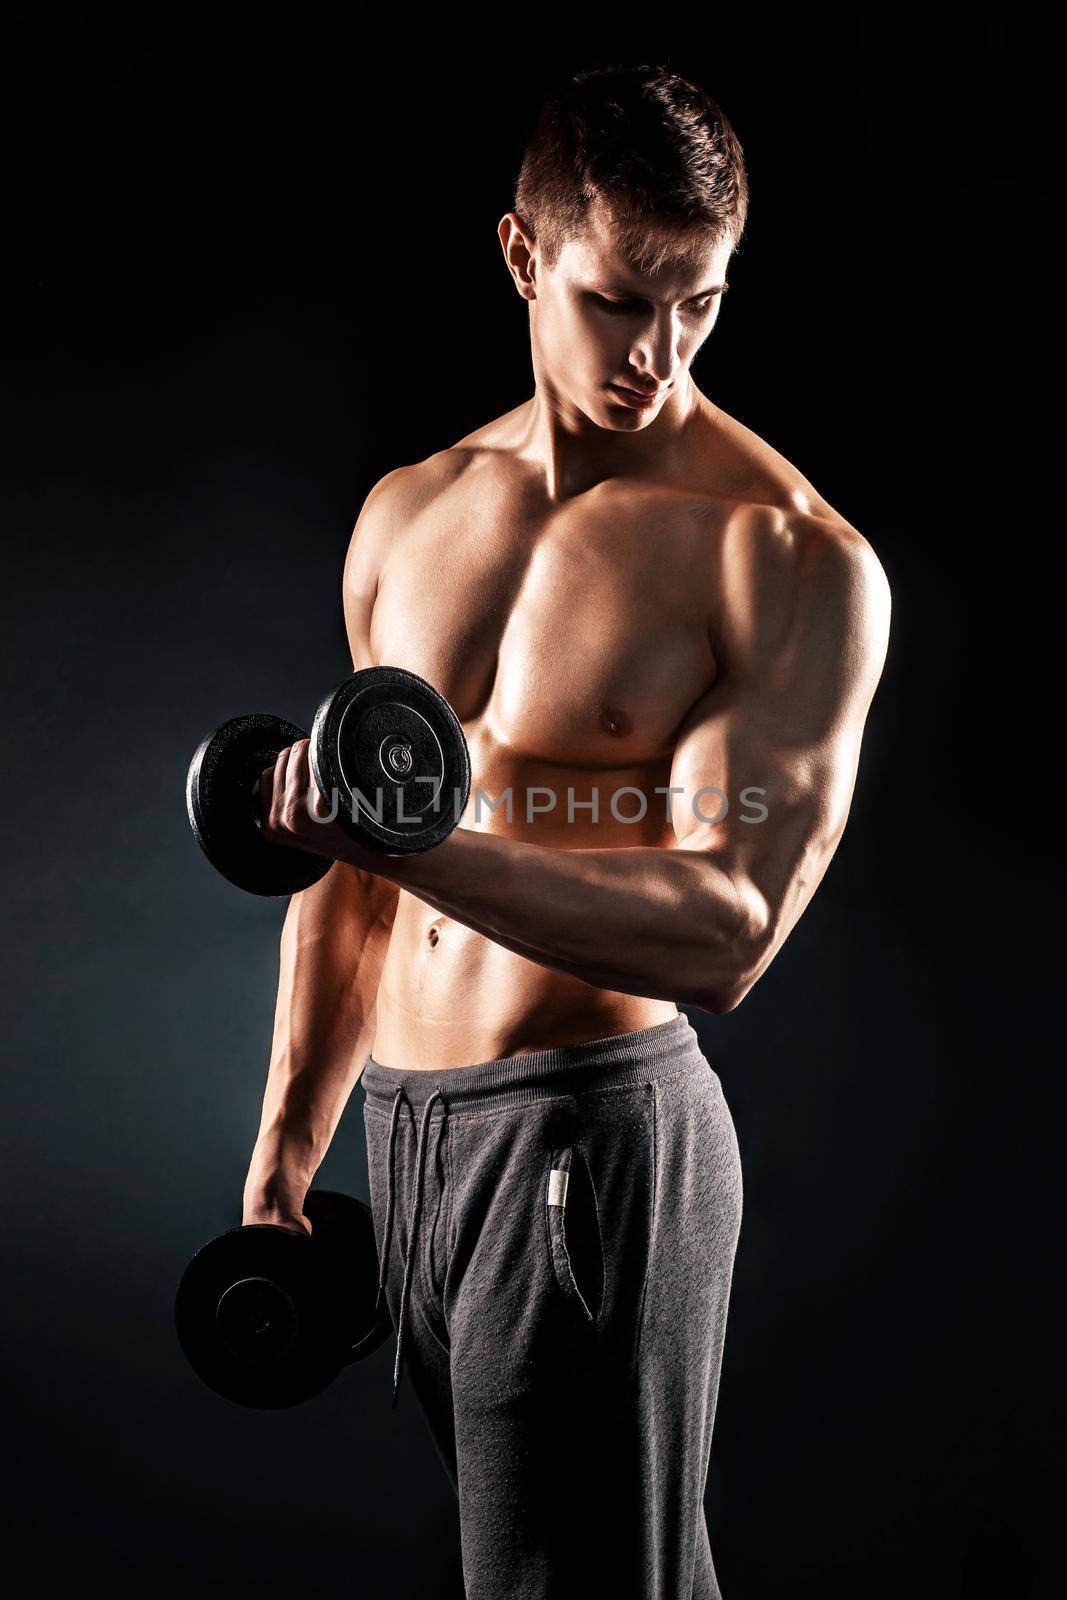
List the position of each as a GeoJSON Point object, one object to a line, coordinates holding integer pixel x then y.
{"type": "Point", "coordinates": [602, 329]}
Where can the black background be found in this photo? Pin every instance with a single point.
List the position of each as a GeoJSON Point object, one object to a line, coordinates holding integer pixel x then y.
{"type": "Point", "coordinates": [246, 273]}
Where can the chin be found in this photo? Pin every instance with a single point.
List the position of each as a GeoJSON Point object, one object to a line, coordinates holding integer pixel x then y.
{"type": "Point", "coordinates": [621, 419]}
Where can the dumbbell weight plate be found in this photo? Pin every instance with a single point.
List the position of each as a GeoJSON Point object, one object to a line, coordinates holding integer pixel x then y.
{"type": "Point", "coordinates": [267, 1317]}
{"type": "Point", "coordinates": [223, 807]}
{"type": "Point", "coordinates": [389, 753]}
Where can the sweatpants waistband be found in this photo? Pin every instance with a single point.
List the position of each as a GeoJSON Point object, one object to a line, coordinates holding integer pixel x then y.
{"type": "Point", "coordinates": [626, 1058]}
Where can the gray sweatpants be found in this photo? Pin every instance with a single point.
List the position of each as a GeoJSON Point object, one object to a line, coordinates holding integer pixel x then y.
{"type": "Point", "coordinates": [557, 1234]}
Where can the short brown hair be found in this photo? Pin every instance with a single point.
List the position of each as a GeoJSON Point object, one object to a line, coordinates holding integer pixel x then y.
{"type": "Point", "coordinates": [650, 145]}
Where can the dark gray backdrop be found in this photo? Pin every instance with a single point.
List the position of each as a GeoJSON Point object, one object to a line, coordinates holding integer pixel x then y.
{"type": "Point", "coordinates": [216, 245]}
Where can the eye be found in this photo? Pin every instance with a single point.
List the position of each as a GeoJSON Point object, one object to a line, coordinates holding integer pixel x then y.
{"type": "Point", "coordinates": [617, 307]}
{"type": "Point", "coordinates": [627, 308]}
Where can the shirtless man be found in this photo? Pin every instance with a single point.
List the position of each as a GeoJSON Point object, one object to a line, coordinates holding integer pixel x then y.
{"type": "Point", "coordinates": [663, 644]}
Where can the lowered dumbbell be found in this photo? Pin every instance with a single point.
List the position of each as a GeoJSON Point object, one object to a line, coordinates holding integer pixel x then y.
{"type": "Point", "coordinates": [388, 755]}
{"type": "Point", "coordinates": [268, 1317]}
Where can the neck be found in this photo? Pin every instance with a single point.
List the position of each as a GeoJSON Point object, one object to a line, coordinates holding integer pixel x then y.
{"type": "Point", "coordinates": [575, 453]}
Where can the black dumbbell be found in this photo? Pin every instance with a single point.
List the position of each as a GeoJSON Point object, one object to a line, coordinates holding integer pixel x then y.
{"type": "Point", "coordinates": [268, 1317]}
{"type": "Point", "coordinates": [388, 755]}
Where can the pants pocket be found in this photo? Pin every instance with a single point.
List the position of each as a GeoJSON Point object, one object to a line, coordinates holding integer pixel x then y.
{"type": "Point", "coordinates": [572, 1221]}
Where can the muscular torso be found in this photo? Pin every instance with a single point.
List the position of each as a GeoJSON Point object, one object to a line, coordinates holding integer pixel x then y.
{"type": "Point", "coordinates": [571, 638]}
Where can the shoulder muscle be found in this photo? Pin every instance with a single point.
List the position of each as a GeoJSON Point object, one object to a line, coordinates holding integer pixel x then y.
{"type": "Point", "coordinates": [392, 503]}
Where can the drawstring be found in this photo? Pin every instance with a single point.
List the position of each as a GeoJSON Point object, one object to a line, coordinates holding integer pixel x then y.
{"type": "Point", "coordinates": [387, 1241]}
{"type": "Point", "coordinates": [416, 1213]}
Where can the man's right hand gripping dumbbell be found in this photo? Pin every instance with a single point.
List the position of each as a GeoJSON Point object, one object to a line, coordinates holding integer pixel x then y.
{"type": "Point", "coordinates": [390, 766]}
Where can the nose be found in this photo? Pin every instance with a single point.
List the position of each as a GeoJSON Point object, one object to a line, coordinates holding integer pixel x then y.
{"type": "Point", "coordinates": [654, 355]}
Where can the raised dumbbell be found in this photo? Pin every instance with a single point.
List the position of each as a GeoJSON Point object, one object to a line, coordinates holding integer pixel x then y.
{"type": "Point", "coordinates": [268, 1317]}
{"type": "Point", "coordinates": [388, 755]}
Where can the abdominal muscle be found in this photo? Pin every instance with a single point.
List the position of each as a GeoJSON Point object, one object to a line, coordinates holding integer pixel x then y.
{"type": "Point", "coordinates": [450, 997]}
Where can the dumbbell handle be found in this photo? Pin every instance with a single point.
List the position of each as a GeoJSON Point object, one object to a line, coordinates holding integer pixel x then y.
{"type": "Point", "coordinates": [257, 803]}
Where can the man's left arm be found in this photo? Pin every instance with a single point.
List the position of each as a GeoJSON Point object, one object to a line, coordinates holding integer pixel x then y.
{"type": "Point", "coordinates": [800, 653]}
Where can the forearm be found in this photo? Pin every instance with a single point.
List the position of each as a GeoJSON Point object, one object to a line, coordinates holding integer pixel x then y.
{"type": "Point", "coordinates": [666, 924]}
{"type": "Point", "coordinates": [332, 949]}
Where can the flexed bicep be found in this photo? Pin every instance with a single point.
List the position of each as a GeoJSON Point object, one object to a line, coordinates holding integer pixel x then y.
{"type": "Point", "coordinates": [765, 763]}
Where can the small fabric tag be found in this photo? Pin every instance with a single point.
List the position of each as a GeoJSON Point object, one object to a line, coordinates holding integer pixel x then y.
{"type": "Point", "coordinates": [557, 1186]}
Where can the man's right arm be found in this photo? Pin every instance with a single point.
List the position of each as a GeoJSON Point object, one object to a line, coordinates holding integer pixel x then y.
{"type": "Point", "coordinates": [333, 947]}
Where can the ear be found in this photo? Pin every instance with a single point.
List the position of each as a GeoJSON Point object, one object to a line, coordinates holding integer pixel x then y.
{"type": "Point", "coordinates": [519, 252]}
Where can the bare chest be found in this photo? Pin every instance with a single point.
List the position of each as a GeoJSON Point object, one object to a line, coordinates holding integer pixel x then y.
{"type": "Point", "coordinates": [575, 635]}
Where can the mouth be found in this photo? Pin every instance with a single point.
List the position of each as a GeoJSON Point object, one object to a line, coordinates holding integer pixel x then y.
{"type": "Point", "coordinates": [635, 398]}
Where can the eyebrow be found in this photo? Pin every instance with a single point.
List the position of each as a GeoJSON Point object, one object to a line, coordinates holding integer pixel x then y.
{"type": "Point", "coordinates": [702, 294]}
